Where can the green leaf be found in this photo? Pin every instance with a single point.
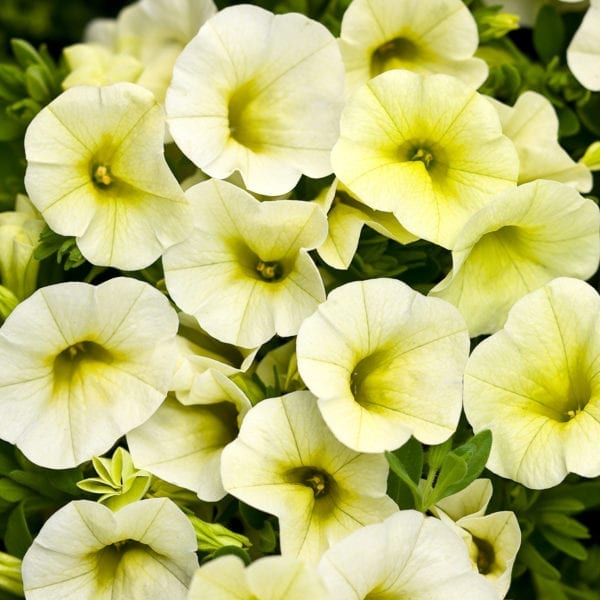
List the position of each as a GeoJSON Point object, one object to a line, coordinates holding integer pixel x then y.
{"type": "Point", "coordinates": [12, 83]}
{"type": "Point", "coordinates": [452, 472]}
{"type": "Point", "coordinates": [267, 538]}
{"type": "Point", "coordinates": [560, 504]}
{"type": "Point", "coordinates": [38, 83]}
{"type": "Point", "coordinates": [588, 113]}
{"type": "Point", "coordinates": [549, 589]}
{"type": "Point", "coordinates": [411, 456]}
{"type": "Point", "coordinates": [252, 516]}
{"type": "Point", "coordinates": [548, 33]}
{"type": "Point", "coordinates": [537, 563]}
{"type": "Point", "coordinates": [564, 525]}
{"type": "Point", "coordinates": [25, 53]}
{"type": "Point", "coordinates": [18, 538]}
{"type": "Point", "coordinates": [11, 491]}
{"type": "Point", "coordinates": [37, 482]}
{"type": "Point", "coordinates": [566, 544]}
{"type": "Point", "coordinates": [400, 471]}
{"type": "Point", "coordinates": [568, 123]}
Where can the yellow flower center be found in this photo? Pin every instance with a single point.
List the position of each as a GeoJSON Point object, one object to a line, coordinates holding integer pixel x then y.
{"type": "Point", "coordinates": [101, 176]}
{"type": "Point", "coordinates": [398, 53]}
{"type": "Point", "coordinates": [424, 155]}
{"type": "Point", "coordinates": [269, 270]}
{"type": "Point", "coordinates": [71, 358]}
{"type": "Point", "coordinates": [485, 555]}
{"type": "Point", "coordinates": [314, 478]}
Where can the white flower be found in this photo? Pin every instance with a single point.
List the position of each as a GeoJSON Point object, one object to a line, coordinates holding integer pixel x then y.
{"type": "Point", "coordinates": [258, 93]}
{"type": "Point", "coordinates": [385, 363]}
{"type": "Point", "coordinates": [536, 385]}
{"type": "Point", "coordinates": [145, 551]}
{"type": "Point", "coordinates": [583, 53]}
{"type": "Point", "coordinates": [437, 36]}
{"type": "Point", "coordinates": [409, 555]}
{"type": "Point", "coordinates": [96, 170]}
{"type": "Point", "coordinates": [82, 365]}
{"type": "Point", "coordinates": [285, 461]}
{"type": "Point", "coordinates": [245, 273]}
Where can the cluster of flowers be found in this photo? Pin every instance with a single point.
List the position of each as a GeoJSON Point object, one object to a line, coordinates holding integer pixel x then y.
{"type": "Point", "coordinates": [256, 101]}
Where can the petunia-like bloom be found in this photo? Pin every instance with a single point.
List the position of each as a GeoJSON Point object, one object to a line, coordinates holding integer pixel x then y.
{"type": "Point", "coordinates": [515, 244]}
{"type": "Point", "coordinates": [182, 444]}
{"type": "Point", "coordinates": [153, 33]}
{"type": "Point", "coordinates": [536, 385]}
{"type": "Point", "coordinates": [385, 363]}
{"type": "Point", "coordinates": [19, 234]}
{"type": "Point", "coordinates": [245, 273]}
{"type": "Point", "coordinates": [439, 36]}
{"type": "Point", "coordinates": [286, 462]}
{"type": "Point", "coordinates": [409, 555]}
{"type": "Point", "coordinates": [258, 93]}
{"type": "Point", "coordinates": [493, 540]}
{"type": "Point", "coordinates": [532, 125]}
{"type": "Point", "coordinates": [346, 217]}
{"type": "Point", "coordinates": [93, 64]}
{"type": "Point", "coordinates": [144, 551]}
{"type": "Point", "coordinates": [583, 53]}
{"type": "Point", "coordinates": [96, 170]}
{"type": "Point", "coordinates": [82, 365]}
{"type": "Point", "coordinates": [269, 578]}
{"type": "Point", "coordinates": [429, 149]}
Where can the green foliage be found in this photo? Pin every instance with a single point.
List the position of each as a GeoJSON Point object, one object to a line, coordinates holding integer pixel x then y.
{"type": "Point", "coordinates": [448, 471]}
{"type": "Point", "coordinates": [28, 494]}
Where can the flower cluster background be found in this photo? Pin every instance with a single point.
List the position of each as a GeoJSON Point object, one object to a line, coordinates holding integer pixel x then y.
{"type": "Point", "coordinates": [299, 299]}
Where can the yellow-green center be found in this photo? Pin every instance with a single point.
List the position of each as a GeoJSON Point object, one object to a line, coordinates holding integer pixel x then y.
{"type": "Point", "coordinates": [485, 555]}
{"type": "Point", "coordinates": [424, 155]}
{"type": "Point", "coordinates": [101, 176]}
{"type": "Point", "coordinates": [317, 480]}
{"type": "Point", "coordinates": [269, 270]}
{"type": "Point", "coordinates": [71, 358]}
{"type": "Point", "coordinates": [394, 54]}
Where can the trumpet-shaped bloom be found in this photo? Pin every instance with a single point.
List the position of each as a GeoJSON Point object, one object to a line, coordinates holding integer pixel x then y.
{"type": "Point", "coordinates": [269, 578]}
{"type": "Point", "coordinates": [386, 363]}
{"type": "Point", "coordinates": [536, 385]}
{"type": "Point", "coordinates": [96, 170]}
{"type": "Point", "coordinates": [258, 93]}
{"type": "Point", "coordinates": [429, 149]}
{"type": "Point", "coordinates": [346, 217]}
{"type": "Point", "coordinates": [493, 540]}
{"type": "Point", "coordinates": [439, 36]}
{"type": "Point", "coordinates": [19, 233]}
{"type": "Point", "coordinates": [518, 242]}
{"type": "Point", "coordinates": [82, 365]}
{"type": "Point", "coordinates": [144, 551]}
{"type": "Point", "coordinates": [93, 64]}
{"type": "Point", "coordinates": [245, 273]}
{"type": "Point", "coordinates": [583, 53]}
{"type": "Point", "coordinates": [285, 461]}
{"type": "Point", "coordinates": [153, 32]}
{"type": "Point", "coordinates": [409, 555]}
{"type": "Point", "coordinates": [183, 444]}
{"type": "Point", "coordinates": [532, 125]}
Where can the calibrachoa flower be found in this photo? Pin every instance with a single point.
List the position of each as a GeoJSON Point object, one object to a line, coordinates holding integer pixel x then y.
{"type": "Point", "coordinates": [183, 444]}
{"type": "Point", "coordinates": [532, 125]}
{"type": "Point", "coordinates": [144, 551]}
{"type": "Point", "coordinates": [346, 217]}
{"type": "Point", "coordinates": [245, 273]}
{"type": "Point", "coordinates": [96, 170]}
{"type": "Point", "coordinates": [285, 461]}
{"type": "Point", "coordinates": [429, 149]}
{"type": "Point", "coordinates": [409, 555]}
{"type": "Point", "coordinates": [385, 363]}
{"type": "Point", "coordinates": [19, 233]}
{"type": "Point", "coordinates": [438, 36]}
{"type": "Point", "coordinates": [82, 365]}
{"type": "Point", "coordinates": [583, 53]}
{"type": "Point", "coordinates": [269, 578]}
{"type": "Point", "coordinates": [258, 93]}
{"type": "Point", "coordinates": [518, 242]}
{"type": "Point", "coordinates": [536, 385]}
{"type": "Point", "coordinates": [493, 540]}
{"type": "Point", "coordinates": [154, 32]}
